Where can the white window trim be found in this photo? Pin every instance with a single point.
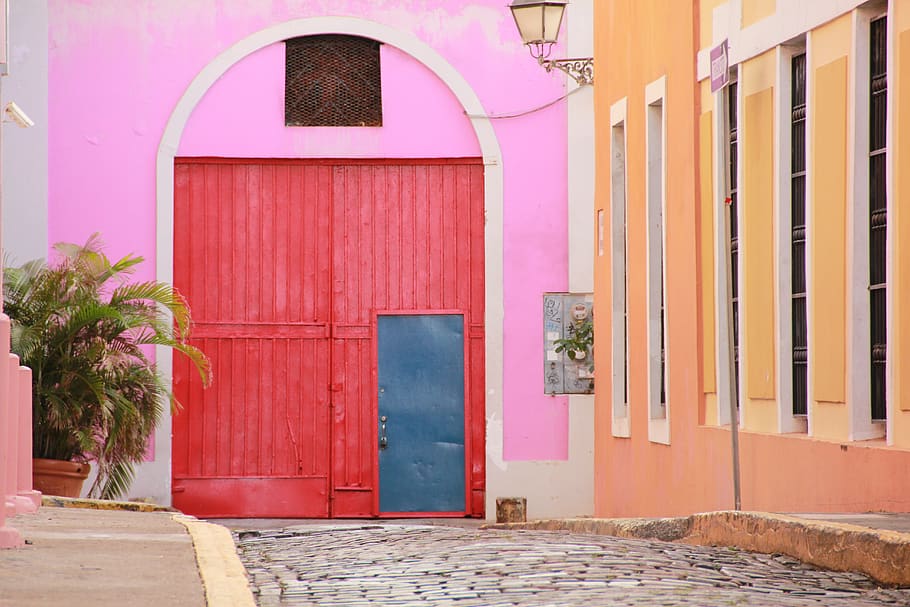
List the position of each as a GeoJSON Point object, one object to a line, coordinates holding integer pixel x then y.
{"type": "Point", "coordinates": [724, 338]}
{"type": "Point", "coordinates": [619, 286]}
{"type": "Point", "coordinates": [658, 426]}
{"type": "Point", "coordinates": [858, 378]}
{"type": "Point", "coordinates": [786, 421]}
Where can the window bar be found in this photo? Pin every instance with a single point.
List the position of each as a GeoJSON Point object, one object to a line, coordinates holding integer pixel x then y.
{"type": "Point", "coordinates": [734, 231]}
{"type": "Point", "coordinates": [663, 352]}
{"type": "Point", "coordinates": [799, 330]}
{"type": "Point", "coordinates": [878, 216]}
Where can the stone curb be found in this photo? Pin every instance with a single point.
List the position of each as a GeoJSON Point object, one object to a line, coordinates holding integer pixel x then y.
{"type": "Point", "coordinates": [70, 502]}
{"type": "Point", "coordinates": [882, 555]}
{"type": "Point", "coordinates": [223, 575]}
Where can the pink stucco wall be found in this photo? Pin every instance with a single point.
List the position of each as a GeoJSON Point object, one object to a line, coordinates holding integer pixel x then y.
{"type": "Point", "coordinates": [118, 68]}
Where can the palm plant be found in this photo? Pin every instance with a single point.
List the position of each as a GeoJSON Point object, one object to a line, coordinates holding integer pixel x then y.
{"type": "Point", "coordinates": [86, 333]}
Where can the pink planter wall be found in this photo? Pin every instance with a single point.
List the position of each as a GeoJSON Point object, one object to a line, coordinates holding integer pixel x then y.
{"type": "Point", "coordinates": [16, 494]}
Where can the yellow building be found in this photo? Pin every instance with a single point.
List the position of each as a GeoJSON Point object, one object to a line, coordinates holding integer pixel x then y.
{"type": "Point", "coordinates": [809, 333]}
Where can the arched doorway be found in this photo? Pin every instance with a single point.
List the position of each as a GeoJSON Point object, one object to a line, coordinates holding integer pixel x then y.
{"type": "Point", "coordinates": [355, 495]}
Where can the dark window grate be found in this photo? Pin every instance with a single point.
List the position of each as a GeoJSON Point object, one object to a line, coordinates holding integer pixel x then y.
{"type": "Point", "coordinates": [799, 332]}
{"type": "Point", "coordinates": [878, 215]}
{"type": "Point", "coordinates": [663, 349]}
{"type": "Point", "coordinates": [734, 230]}
{"type": "Point", "coordinates": [332, 80]}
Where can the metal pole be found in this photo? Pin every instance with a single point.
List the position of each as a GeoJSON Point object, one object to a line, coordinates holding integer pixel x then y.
{"type": "Point", "coordinates": [728, 270]}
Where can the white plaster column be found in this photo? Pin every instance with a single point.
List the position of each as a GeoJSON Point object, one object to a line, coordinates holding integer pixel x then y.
{"type": "Point", "coordinates": [25, 178]}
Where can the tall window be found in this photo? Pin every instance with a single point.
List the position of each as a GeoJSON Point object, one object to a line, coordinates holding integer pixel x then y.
{"type": "Point", "coordinates": [619, 268]}
{"type": "Point", "coordinates": [878, 216]}
{"type": "Point", "coordinates": [655, 204]}
{"type": "Point", "coordinates": [657, 353]}
{"type": "Point", "coordinates": [734, 229]}
{"type": "Point", "coordinates": [798, 232]}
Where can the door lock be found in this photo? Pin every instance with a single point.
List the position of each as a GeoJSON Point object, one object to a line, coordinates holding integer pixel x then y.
{"type": "Point", "coordinates": [383, 439]}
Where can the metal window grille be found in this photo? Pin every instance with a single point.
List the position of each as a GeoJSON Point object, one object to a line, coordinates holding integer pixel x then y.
{"type": "Point", "coordinates": [663, 318]}
{"type": "Point", "coordinates": [799, 330]}
{"type": "Point", "coordinates": [878, 215]}
{"type": "Point", "coordinates": [660, 266]}
{"type": "Point", "coordinates": [332, 80]}
{"type": "Point", "coordinates": [732, 90]}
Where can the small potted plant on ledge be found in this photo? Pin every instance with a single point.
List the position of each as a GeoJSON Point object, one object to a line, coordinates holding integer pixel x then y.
{"type": "Point", "coordinates": [86, 333]}
{"type": "Point", "coordinates": [578, 344]}
{"type": "Point", "coordinates": [579, 347]}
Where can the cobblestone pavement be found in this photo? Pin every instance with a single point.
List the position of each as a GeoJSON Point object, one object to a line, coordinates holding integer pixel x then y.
{"type": "Point", "coordinates": [405, 565]}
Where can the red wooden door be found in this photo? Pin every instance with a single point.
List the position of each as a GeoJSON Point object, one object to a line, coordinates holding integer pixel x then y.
{"type": "Point", "coordinates": [285, 265]}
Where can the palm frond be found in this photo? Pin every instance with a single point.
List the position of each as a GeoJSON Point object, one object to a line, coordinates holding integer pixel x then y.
{"type": "Point", "coordinates": [85, 332]}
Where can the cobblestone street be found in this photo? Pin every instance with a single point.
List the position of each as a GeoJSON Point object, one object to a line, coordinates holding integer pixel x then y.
{"type": "Point", "coordinates": [403, 565]}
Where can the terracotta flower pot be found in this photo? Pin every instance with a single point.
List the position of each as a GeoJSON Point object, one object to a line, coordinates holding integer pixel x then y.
{"type": "Point", "coordinates": [58, 477]}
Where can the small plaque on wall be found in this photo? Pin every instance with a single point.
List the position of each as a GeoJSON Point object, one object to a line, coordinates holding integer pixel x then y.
{"type": "Point", "coordinates": [567, 370]}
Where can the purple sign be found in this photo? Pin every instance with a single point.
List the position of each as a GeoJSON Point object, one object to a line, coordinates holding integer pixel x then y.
{"type": "Point", "coordinates": [720, 74]}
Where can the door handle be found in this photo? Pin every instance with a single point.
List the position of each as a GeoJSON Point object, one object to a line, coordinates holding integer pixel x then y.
{"type": "Point", "coordinates": [383, 439]}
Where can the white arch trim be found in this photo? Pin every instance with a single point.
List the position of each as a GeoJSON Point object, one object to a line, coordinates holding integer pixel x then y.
{"type": "Point", "coordinates": [493, 193]}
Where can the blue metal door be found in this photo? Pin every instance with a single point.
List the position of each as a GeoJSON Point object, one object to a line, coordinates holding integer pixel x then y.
{"type": "Point", "coordinates": [421, 413]}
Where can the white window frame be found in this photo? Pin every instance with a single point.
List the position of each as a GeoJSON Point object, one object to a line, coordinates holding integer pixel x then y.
{"type": "Point", "coordinates": [621, 426]}
{"type": "Point", "coordinates": [656, 204]}
{"type": "Point", "coordinates": [786, 421]}
{"type": "Point", "coordinates": [859, 380]}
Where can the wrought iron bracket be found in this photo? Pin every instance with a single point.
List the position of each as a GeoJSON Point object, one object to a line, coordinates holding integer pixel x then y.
{"type": "Point", "coordinates": [581, 69]}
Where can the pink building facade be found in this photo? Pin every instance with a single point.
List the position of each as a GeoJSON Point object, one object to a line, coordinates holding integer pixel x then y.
{"type": "Point", "coordinates": [131, 90]}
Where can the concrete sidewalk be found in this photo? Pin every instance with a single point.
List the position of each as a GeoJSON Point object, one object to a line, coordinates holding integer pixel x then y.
{"type": "Point", "coordinates": [113, 557]}
{"type": "Point", "coordinates": [875, 544]}
{"type": "Point", "coordinates": [108, 557]}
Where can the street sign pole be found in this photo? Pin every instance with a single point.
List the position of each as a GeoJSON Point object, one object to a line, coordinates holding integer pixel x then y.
{"type": "Point", "coordinates": [720, 74]}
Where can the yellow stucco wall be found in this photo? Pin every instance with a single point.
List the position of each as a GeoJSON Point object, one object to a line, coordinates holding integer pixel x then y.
{"type": "Point", "coordinates": [757, 282]}
{"type": "Point", "coordinates": [899, 290]}
{"type": "Point", "coordinates": [706, 22]}
{"type": "Point", "coordinates": [756, 10]}
{"type": "Point", "coordinates": [830, 45]}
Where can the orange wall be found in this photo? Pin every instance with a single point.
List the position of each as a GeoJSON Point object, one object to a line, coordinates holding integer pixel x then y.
{"type": "Point", "coordinates": [637, 41]}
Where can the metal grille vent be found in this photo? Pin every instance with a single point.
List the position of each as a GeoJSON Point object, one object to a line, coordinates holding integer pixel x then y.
{"type": "Point", "coordinates": [332, 80]}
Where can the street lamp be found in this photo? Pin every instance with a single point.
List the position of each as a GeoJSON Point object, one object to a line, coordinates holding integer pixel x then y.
{"type": "Point", "coordinates": [538, 23]}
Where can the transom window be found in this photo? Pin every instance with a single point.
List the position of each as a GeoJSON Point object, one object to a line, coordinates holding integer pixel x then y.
{"type": "Point", "coordinates": [332, 80]}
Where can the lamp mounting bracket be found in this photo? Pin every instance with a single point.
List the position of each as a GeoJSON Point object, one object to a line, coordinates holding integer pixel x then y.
{"type": "Point", "coordinates": [581, 69]}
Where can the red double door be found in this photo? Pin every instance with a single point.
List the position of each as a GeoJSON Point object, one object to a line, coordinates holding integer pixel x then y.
{"type": "Point", "coordinates": [286, 265]}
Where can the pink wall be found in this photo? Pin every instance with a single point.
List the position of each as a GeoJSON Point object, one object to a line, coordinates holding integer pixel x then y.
{"type": "Point", "coordinates": [117, 70]}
